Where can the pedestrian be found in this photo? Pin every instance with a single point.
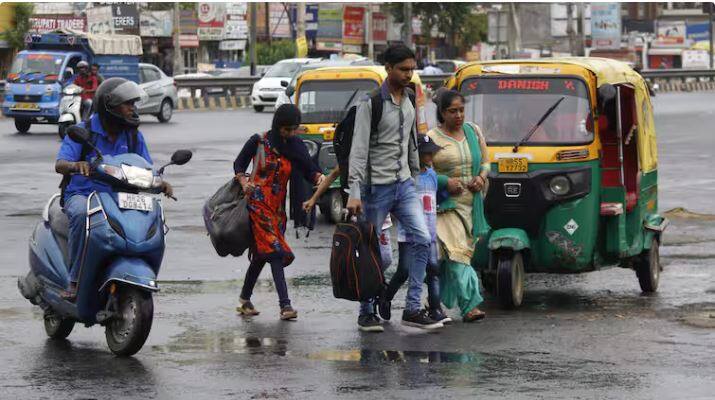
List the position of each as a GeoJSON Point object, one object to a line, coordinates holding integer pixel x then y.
{"type": "Point", "coordinates": [284, 157]}
{"type": "Point", "coordinates": [426, 185]}
{"type": "Point", "coordinates": [385, 183]}
{"type": "Point", "coordinates": [462, 168]}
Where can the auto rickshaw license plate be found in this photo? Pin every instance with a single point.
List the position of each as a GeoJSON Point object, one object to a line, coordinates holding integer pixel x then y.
{"type": "Point", "coordinates": [513, 165]}
{"type": "Point", "coordinates": [26, 106]}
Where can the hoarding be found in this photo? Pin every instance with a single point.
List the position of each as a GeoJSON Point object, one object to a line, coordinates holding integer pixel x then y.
{"type": "Point", "coordinates": [126, 18]}
{"type": "Point", "coordinates": [606, 25]}
{"type": "Point", "coordinates": [211, 20]}
{"type": "Point", "coordinates": [156, 23]}
{"type": "Point", "coordinates": [49, 23]}
{"type": "Point", "coordinates": [379, 28]}
{"type": "Point", "coordinates": [330, 22]}
{"type": "Point", "coordinates": [100, 20]}
{"type": "Point", "coordinates": [353, 25]}
{"type": "Point", "coordinates": [670, 34]}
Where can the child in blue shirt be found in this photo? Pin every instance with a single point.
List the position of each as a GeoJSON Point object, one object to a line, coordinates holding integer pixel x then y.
{"type": "Point", "coordinates": [426, 187]}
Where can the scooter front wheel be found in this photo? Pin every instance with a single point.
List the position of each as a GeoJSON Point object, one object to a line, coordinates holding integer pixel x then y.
{"type": "Point", "coordinates": [127, 331]}
{"type": "Point", "coordinates": [57, 327]}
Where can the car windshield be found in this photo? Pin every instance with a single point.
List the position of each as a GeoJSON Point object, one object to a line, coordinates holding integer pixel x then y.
{"type": "Point", "coordinates": [36, 66]}
{"type": "Point", "coordinates": [507, 108]}
{"type": "Point", "coordinates": [283, 70]}
{"type": "Point", "coordinates": [327, 101]}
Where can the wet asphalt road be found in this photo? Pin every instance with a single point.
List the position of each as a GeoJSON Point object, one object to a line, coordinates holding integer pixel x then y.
{"type": "Point", "coordinates": [578, 336]}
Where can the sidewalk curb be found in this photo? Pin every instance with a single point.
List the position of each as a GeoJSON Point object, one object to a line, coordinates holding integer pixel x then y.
{"type": "Point", "coordinates": [214, 103]}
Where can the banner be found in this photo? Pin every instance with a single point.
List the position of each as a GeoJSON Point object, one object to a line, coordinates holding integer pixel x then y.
{"type": "Point", "coordinates": [49, 23]}
{"type": "Point", "coordinates": [696, 59]}
{"type": "Point", "coordinates": [188, 22]}
{"type": "Point", "coordinates": [211, 20]}
{"type": "Point", "coordinates": [236, 26]}
{"type": "Point", "coordinates": [697, 32]}
{"type": "Point", "coordinates": [126, 18]}
{"type": "Point", "coordinates": [311, 21]}
{"type": "Point", "coordinates": [670, 34]}
{"type": "Point", "coordinates": [606, 25]}
{"type": "Point", "coordinates": [353, 25]}
{"type": "Point", "coordinates": [100, 20]}
{"type": "Point", "coordinates": [379, 28]}
{"type": "Point", "coordinates": [330, 22]}
{"type": "Point", "coordinates": [156, 23]}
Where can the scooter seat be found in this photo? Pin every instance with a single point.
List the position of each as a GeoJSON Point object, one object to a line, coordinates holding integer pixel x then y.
{"type": "Point", "coordinates": [60, 226]}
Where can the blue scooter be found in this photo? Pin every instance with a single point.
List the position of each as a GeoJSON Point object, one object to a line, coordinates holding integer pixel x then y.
{"type": "Point", "coordinates": [121, 257]}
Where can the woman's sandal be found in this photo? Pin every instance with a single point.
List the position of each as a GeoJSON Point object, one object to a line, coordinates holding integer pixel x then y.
{"type": "Point", "coordinates": [246, 308]}
{"type": "Point", "coordinates": [474, 315]}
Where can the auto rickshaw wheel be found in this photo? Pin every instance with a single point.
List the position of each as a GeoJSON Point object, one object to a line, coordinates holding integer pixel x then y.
{"type": "Point", "coordinates": [647, 268]}
{"type": "Point", "coordinates": [510, 279]}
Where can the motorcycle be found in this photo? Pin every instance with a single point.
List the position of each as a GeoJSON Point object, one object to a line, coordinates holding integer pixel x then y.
{"type": "Point", "coordinates": [70, 108]}
{"type": "Point", "coordinates": [120, 260]}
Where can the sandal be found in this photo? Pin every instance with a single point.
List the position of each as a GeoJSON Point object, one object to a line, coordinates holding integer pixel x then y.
{"type": "Point", "coordinates": [246, 308]}
{"type": "Point", "coordinates": [474, 315]}
{"type": "Point", "coordinates": [288, 313]}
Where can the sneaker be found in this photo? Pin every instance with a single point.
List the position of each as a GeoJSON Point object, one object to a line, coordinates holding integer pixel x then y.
{"type": "Point", "coordinates": [383, 307]}
{"type": "Point", "coordinates": [438, 315]}
{"type": "Point", "coordinates": [246, 308]}
{"type": "Point", "coordinates": [369, 323]}
{"type": "Point", "coordinates": [288, 313]}
{"type": "Point", "coordinates": [420, 319]}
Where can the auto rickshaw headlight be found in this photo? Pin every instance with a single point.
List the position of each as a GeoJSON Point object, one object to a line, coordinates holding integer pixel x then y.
{"type": "Point", "coordinates": [560, 185]}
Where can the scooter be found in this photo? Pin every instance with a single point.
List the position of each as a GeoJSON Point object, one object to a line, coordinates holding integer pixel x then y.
{"type": "Point", "coordinates": [123, 250]}
{"type": "Point", "coordinates": [70, 108]}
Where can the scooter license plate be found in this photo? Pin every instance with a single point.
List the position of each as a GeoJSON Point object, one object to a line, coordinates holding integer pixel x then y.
{"type": "Point", "coordinates": [26, 106]}
{"type": "Point", "coordinates": [131, 201]}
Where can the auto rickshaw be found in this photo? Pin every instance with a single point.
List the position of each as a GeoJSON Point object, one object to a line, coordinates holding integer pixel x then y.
{"type": "Point", "coordinates": [574, 180]}
{"type": "Point", "coordinates": [324, 96]}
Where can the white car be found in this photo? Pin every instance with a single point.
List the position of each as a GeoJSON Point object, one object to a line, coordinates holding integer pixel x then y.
{"type": "Point", "coordinates": [162, 96]}
{"type": "Point", "coordinates": [266, 90]}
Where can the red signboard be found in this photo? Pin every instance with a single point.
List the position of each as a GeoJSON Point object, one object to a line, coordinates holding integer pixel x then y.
{"type": "Point", "coordinates": [379, 28]}
{"type": "Point", "coordinates": [353, 25]}
{"type": "Point", "coordinates": [49, 23]}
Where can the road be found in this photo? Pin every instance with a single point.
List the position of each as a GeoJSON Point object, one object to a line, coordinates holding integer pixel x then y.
{"type": "Point", "coordinates": [577, 336]}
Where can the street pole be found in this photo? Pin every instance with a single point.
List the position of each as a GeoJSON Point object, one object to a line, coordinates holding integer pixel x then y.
{"type": "Point", "coordinates": [300, 26]}
{"type": "Point", "coordinates": [407, 28]}
{"type": "Point", "coordinates": [254, 19]}
{"type": "Point", "coordinates": [268, 22]}
{"type": "Point", "coordinates": [582, 30]}
{"type": "Point", "coordinates": [178, 68]}
{"type": "Point", "coordinates": [710, 25]}
{"type": "Point", "coordinates": [569, 28]}
{"type": "Point", "coordinates": [370, 43]}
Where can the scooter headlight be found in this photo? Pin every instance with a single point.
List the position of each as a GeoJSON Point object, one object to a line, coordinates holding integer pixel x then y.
{"type": "Point", "coordinates": [72, 90]}
{"type": "Point", "coordinates": [139, 177]}
{"type": "Point", "coordinates": [114, 172]}
{"type": "Point", "coordinates": [560, 185]}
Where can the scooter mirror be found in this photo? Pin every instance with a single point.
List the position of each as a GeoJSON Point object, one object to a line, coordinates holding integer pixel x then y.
{"type": "Point", "coordinates": [78, 134]}
{"type": "Point", "coordinates": [181, 157]}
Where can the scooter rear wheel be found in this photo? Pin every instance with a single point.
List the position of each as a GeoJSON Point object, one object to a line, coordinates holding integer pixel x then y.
{"type": "Point", "coordinates": [129, 329]}
{"type": "Point", "coordinates": [57, 327]}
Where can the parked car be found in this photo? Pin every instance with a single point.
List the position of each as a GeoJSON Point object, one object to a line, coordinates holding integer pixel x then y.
{"type": "Point", "coordinates": [162, 96]}
{"type": "Point", "coordinates": [266, 90]}
{"type": "Point", "coordinates": [288, 95]}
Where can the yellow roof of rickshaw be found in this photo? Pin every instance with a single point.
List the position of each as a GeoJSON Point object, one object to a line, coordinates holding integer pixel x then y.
{"type": "Point", "coordinates": [606, 70]}
{"type": "Point", "coordinates": [350, 72]}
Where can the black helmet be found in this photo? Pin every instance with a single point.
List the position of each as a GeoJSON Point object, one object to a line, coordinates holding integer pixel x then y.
{"type": "Point", "coordinates": [113, 92]}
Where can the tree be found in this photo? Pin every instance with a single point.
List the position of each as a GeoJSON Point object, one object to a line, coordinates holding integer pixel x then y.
{"type": "Point", "coordinates": [457, 21]}
{"type": "Point", "coordinates": [16, 37]}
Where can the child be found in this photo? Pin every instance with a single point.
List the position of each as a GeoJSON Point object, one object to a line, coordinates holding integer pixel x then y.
{"type": "Point", "coordinates": [426, 186]}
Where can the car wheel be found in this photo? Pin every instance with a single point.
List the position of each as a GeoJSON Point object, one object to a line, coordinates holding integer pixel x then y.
{"type": "Point", "coordinates": [165, 111]}
{"type": "Point", "coordinates": [258, 108]}
{"type": "Point", "coordinates": [22, 125]}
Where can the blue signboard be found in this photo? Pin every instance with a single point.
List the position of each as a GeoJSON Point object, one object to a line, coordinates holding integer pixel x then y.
{"type": "Point", "coordinates": [311, 21]}
{"type": "Point", "coordinates": [697, 31]}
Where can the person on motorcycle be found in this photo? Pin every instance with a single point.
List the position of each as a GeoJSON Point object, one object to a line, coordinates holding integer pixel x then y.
{"type": "Point", "coordinates": [89, 83]}
{"type": "Point", "coordinates": [114, 131]}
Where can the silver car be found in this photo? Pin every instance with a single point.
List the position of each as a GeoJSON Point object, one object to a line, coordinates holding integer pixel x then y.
{"type": "Point", "coordinates": [162, 97]}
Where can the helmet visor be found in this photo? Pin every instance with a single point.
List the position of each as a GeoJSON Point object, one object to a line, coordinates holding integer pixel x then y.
{"type": "Point", "coordinates": [127, 91]}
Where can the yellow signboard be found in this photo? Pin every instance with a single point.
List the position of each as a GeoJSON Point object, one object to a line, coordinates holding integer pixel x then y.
{"type": "Point", "coordinates": [301, 47]}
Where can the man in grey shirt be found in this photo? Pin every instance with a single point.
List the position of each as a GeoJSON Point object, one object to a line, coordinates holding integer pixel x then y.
{"type": "Point", "coordinates": [383, 165]}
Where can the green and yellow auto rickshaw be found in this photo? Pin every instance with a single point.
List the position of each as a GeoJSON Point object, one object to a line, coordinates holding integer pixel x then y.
{"type": "Point", "coordinates": [574, 181]}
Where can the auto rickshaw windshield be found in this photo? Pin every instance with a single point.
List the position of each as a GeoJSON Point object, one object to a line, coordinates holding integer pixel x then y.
{"type": "Point", "coordinates": [507, 108]}
{"type": "Point", "coordinates": [328, 101]}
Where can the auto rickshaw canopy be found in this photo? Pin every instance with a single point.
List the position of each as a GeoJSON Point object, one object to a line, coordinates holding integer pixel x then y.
{"type": "Point", "coordinates": [596, 72]}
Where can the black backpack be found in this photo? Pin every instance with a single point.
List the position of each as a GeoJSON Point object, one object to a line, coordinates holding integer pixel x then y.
{"type": "Point", "coordinates": [343, 139]}
{"type": "Point", "coordinates": [355, 262]}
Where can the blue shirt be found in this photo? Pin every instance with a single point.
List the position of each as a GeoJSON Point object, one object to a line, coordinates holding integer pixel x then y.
{"type": "Point", "coordinates": [426, 188]}
{"type": "Point", "coordinates": [72, 151]}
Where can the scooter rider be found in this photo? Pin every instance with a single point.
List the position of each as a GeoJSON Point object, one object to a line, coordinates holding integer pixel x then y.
{"type": "Point", "coordinates": [89, 83]}
{"type": "Point", "coordinates": [114, 131]}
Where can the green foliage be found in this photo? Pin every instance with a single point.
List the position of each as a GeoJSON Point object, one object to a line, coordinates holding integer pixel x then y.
{"type": "Point", "coordinates": [16, 37]}
{"type": "Point", "coordinates": [269, 54]}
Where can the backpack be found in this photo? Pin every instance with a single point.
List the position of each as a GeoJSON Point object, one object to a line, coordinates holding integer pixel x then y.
{"type": "Point", "coordinates": [343, 139]}
{"type": "Point", "coordinates": [86, 148]}
{"type": "Point", "coordinates": [355, 262]}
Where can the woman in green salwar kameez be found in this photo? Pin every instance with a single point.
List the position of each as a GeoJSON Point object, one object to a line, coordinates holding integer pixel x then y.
{"type": "Point", "coordinates": [462, 170]}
